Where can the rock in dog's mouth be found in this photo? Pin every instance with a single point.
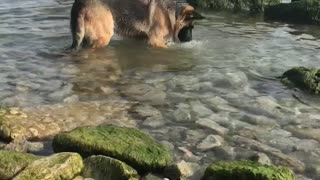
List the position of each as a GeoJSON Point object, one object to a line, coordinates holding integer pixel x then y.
{"type": "Point", "coordinates": [185, 34]}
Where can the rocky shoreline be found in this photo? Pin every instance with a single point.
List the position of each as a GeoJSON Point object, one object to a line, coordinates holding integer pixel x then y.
{"type": "Point", "coordinates": [111, 152]}
{"type": "Point", "coordinates": [100, 139]}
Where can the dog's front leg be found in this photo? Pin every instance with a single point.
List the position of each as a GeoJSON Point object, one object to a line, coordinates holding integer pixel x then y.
{"type": "Point", "coordinates": [157, 42]}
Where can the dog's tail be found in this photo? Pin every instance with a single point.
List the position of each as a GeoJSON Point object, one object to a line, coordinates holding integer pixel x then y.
{"type": "Point", "coordinates": [77, 24]}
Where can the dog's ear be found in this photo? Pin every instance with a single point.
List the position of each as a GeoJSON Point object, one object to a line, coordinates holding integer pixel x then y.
{"type": "Point", "coordinates": [190, 13]}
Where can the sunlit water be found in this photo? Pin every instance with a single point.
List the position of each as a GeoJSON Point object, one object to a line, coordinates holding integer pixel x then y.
{"type": "Point", "coordinates": [235, 59]}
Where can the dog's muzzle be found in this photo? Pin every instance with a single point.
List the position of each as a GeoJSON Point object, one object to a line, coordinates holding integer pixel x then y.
{"type": "Point", "coordinates": [185, 34]}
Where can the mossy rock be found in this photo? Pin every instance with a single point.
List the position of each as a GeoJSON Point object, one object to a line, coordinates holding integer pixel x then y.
{"type": "Point", "coordinates": [106, 168]}
{"type": "Point", "coordinates": [62, 166]}
{"type": "Point", "coordinates": [304, 11]}
{"type": "Point", "coordinates": [303, 78]}
{"type": "Point", "coordinates": [246, 170]}
{"type": "Point", "coordinates": [13, 162]}
{"type": "Point", "coordinates": [126, 144]}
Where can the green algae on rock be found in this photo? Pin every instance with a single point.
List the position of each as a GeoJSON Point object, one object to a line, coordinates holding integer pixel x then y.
{"type": "Point", "coordinates": [106, 168]}
{"type": "Point", "coordinates": [303, 78]}
{"type": "Point", "coordinates": [126, 144]}
{"type": "Point", "coordinates": [13, 162]}
{"type": "Point", "coordinates": [246, 170]}
{"type": "Point", "coordinates": [62, 166]}
{"type": "Point", "coordinates": [303, 11]}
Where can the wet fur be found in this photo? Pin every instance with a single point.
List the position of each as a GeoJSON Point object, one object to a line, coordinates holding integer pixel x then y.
{"type": "Point", "coordinates": [93, 22]}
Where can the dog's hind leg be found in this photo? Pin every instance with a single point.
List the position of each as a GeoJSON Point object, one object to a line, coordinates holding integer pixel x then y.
{"type": "Point", "coordinates": [77, 26]}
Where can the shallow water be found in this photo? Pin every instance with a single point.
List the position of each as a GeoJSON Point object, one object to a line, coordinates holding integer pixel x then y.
{"type": "Point", "coordinates": [230, 70]}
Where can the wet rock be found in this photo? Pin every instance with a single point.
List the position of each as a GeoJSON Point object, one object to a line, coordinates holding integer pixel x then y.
{"type": "Point", "coordinates": [179, 97]}
{"type": "Point", "coordinates": [210, 142]}
{"type": "Point", "coordinates": [38, 122]}
{"type": "Point", "coordinates": [146, 93]}
{"type": "Point", "coordinates": [219, 104]}
{"type": "Point", "coordinates": [58, 166]}
{"type": "Point", "coordinates": [152, 177]}
{"type": "Point", "coordinates": [106, 168]}
{"type": "Point", "coordinates": [126, 144]}
{"type": "Point", "coordinates": [308, 133]}
{"type": "Point", "coordinates": [261, 158]}
{"type": "Point", "coordinates": [231, 80]}
{"type": "Point", "coordinates": [199, 110]}
{"type": "Point", "coordinates": [307, 145]}
{"type": "Point", "coordinates": [281, 158]}
{"type": "Point", "coordinates": [303, 78]}
{"type": "Point", "coordinates": [188, 155]}
{"type": "Point", "coordinates": [154, 122]}
{"type": "Point", "coordinates": [13, 162]}
{"type": "Point", "coordinates": [35, 146]}
{"type": "Point", "coordinates": [146, 111]}
{"type": "Point", "coordinates": [285, 144]}
{"type": "Point", "coordinates": [181, 170]}
{"type": "Point", "coordinates": [224, 152]}
{"type": "Point", "coordinates": [208, 123]}
{"type": "Point", "coordinates": [71, 99]}
{"type": "Point", "coordinates": [194, 136]}
{"type": "Point", "coordinates": [259, 120]}
{"type": "Point", "coordinates": [18, 145]}
{"type": "Point", "coordinates": [182, 113]}
{"type": "Point", "coordinates": [60, 94]}
{"type": "Point", "coordinates": [244, 170]}
{"type": "Point", "coordinates": [302, 11]}
{"type": "Point", "coordinates": [186, 83]}
{"type": "Point", "coordinates": [267, 103]}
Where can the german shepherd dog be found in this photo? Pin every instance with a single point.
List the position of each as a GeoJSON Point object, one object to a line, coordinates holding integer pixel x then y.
{"type": "Point", "coordinates": [93, 22]}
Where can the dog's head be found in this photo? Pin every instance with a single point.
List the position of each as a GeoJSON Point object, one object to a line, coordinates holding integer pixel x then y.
{"type": "Point", "coordinates": [185, 15]}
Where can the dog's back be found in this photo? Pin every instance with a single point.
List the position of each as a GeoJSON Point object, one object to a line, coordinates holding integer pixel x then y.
{"type": "Point", "coordinates": [93, 21]}
{"type": "Point", "coordinates": [134, 18]}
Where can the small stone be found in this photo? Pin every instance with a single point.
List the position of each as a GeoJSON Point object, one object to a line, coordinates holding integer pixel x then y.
{"type": "Point", "coordinates": [154, 122]}
{"type": "Point", "coordinates": [199, 110]}
{"type": "Point", "coordinates": [210, 142]}
{"type": "Point", "coordinates": [14, 111]}
{"type": "Point", "coordinates": [146, 93]}
{"type": "Point", "coordinates": [147, 111]}
{"type": "Point", "coordinates": [35, 146]}
{"type": "Point", "coordinates": [151, 177]}
{"type": "Point", "coordinates": [78, 178]}
{"type": "Point", "coordinates": [181, 170]}
{"type": "Point", "coordinates": [188, 155]}
{"type": "Point", "coordinates": [208, 123]}
{"type": "Point", "coordinates": [261, 158]}
{"type": "Point", "coordinates": [182, 114]}
{"type": "Point", "coordinates": [194, 136]}
{"type": "Point", "coordinates": [71, 99]}
{"type": "Point", "coordinates": [225, 152]}
{"type": "Point", "coordinates": [308, 133]}
{"type": "Point", "coordinates": [107, 90]}
{"type": "Point", "coordinates": [18, 145]}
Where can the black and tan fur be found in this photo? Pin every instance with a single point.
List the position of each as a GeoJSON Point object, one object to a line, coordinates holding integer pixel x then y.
{"type": "Point", "coordinates": [93, 22]}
